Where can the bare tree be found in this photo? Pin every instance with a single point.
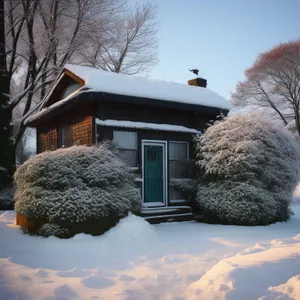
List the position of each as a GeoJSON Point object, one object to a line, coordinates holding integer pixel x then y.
{"type": "Point", "coordinates": [43, 35]}
{"type": "Point", "coordinates": [129, 44]}
{"type": "Point", "coordinates": [273, 82]}
{"type": "Point", "coordinates": [25, 148]}
{"type": "Point", "coordinates": [36, 44]}
{"type": "Point", "coordinates": [7, 159]}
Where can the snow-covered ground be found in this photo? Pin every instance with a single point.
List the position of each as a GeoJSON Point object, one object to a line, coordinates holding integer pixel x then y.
{"type": "Point", "coordinates": [136, 260]}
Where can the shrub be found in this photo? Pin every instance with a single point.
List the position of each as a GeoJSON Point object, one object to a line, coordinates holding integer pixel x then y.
{"type": "Point", "coordinates": [49, 229]}
{"type": "Point", "coordinates": [249, 169]}
{"type": "Point", "coordinates": [187, 186]}
{"type": "Point", "coordinates": [6, 198]}
{"type": "Point", "coordinates": [75, 185]}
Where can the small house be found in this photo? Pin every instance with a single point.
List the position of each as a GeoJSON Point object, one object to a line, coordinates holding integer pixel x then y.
{"type": "Point", "coordinates": [153, 123]}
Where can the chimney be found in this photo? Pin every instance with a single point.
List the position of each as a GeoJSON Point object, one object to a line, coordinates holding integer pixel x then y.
{"type": "Point", "coordinates": [198, 82]}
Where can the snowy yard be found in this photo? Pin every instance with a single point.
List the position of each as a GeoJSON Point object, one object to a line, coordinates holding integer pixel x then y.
{"type": "Point", "coordinates": [136, 260]}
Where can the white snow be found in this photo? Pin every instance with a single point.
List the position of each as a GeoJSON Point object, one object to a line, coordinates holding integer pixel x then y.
{"type": "Point", "coordinates": [136, 260]}
{"type": "Point", "coordinates": [74, 184]}
{"type": "Point", "coordinates": [143, 125]}
{"type": "Point", "coordinates": [121, 84]}
{"type": "Point", "coordinates": [52, 107]}
{"type": "Point", "coordinates": [255, 164]}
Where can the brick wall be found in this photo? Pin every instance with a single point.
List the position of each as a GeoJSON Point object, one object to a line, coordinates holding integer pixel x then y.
{"type": "Point", "coordinates": [82, 131]}
{"type": "Point", "coordinates": [79, 119]}
{"type": "Point", "coordinates": [47, 140]}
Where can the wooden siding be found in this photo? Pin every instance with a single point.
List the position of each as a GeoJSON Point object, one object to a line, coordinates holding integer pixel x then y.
{"type": "Point", "coordinates": [159, 115]}
{"type": "Point", "coordinates": [47, 139]}
{"type": "Point", "coordinates": [80, 120]}
{"type": "Point", "coordinates": [82, 133]}
{"type": "Point", "coordinates": [106, 133]}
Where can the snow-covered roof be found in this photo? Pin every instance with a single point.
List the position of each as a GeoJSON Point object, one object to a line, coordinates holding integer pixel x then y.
{"type": "Point", "coordinates": [121, 84]}
{"type": "Point", "coordinates": [135, 86]}
{"type": "Point", "coordinates": [46, 110]}
{"type": "Point", "coordinates": [142, 125]}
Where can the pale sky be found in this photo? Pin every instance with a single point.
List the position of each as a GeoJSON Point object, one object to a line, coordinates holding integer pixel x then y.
{"type": "Point", "coordinates": [220, 37]}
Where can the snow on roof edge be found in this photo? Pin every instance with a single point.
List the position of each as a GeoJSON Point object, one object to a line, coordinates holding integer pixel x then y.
{"type": "Point", "coordinates": [52, 107]}
{"type": "Point", "coordinates": [144, 125]}
{"type": "Point", "coordinates": [137, 86]}
{"type": "Point", "coordinates": [162, 90]}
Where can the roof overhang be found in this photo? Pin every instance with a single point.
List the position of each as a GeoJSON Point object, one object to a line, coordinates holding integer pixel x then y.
{"type": "Point", "coordinates": [89, 96]}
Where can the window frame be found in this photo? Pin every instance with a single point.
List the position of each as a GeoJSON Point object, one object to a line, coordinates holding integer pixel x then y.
{"type": "Point", "coordinates": [174, 201]}
{"type": "Point", "coordinates": [127, 148]}
{"type": "Point", "coordinates": [136, 149]}
{"type": "Point", "coordinates": [187, 150]}
{"type": "Point", "coordinates": [62, 135]}
{"type": "Point", "coordinates": [73, 85]}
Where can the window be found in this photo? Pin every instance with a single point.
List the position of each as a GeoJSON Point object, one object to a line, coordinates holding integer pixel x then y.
{"type": "Point", "coordinates": [127, 142]}
{"type": "Point", "coordinates": [178, 155]}
{"type": "Point", "coordinates": [178, 168]}
{"type": "Point", "coordinates": [66, 136]}
{"type": "Point", "coordinates": [70, 89]}
{"type": "Point", "coordinates": [178, 150]}
{"type": "Point", "coordinates": [176, 195]}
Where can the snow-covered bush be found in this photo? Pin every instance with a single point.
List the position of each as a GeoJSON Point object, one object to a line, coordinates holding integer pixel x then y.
{"type": "Point", "coordinates": [249, 169]}
{"type": "Point", "coordinates": [75, 185]}
{"type": "Point", "coordinates": [6, 198]}
{"type": "Point", "coordinates": [187, 186]}
{"type": "Point", "coordinates": [49, 229]}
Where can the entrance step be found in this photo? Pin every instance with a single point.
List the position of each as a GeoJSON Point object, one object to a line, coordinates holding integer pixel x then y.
{"type": "Point", "coordinates": [167, 214]}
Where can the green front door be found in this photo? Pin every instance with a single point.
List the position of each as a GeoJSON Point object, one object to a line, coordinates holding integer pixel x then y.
{"type": "Point", "coordinates": [153, 174]}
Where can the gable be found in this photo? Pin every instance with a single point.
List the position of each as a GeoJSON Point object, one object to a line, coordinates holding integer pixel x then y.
{"type": "Point", "coordinates": [66, 84]}
{"type": "Point", "coordinates": [77, 84]}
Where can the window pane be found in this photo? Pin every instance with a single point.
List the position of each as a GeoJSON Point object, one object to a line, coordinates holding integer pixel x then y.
{"type": "Point", "coordinates": [66, 136]}
{"type": "Point", "coordinates": [177, 150]}
{"type": "Point", "coordinates": [178, 153]}
{"type": "Point", "coordinates": [129, 156]}
{"type": "Point", "coordinates": [70, 89]}
{"type": "Point", "coordinates": [178, 169]}
{"type": "Point", "coordinates": [177, 195]}
{"type": "Point", "coordinates": [125, 139]}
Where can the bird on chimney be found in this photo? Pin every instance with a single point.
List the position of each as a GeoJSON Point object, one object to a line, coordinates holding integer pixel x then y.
{"type": "Point", "coordinates": [195, 71]}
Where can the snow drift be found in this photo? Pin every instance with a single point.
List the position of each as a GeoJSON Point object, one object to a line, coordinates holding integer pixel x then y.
{"type": "Point", "coordinates": [75, 185]}
{"type": "Point", "coordinates": [136, 260]}
{"type": "Point", "coordinates": [249, 170]}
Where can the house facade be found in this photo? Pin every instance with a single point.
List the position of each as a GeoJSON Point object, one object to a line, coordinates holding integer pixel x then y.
{"type": "Point", "coordinates": [152, 122]}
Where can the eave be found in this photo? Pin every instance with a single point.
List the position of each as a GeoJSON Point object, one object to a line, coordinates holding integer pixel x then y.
{"type": "Point", "coordinates": [88, 96]}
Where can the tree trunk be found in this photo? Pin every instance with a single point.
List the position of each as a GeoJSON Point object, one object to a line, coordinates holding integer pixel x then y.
{"type": "Point", "coordinates": [7, 154]}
